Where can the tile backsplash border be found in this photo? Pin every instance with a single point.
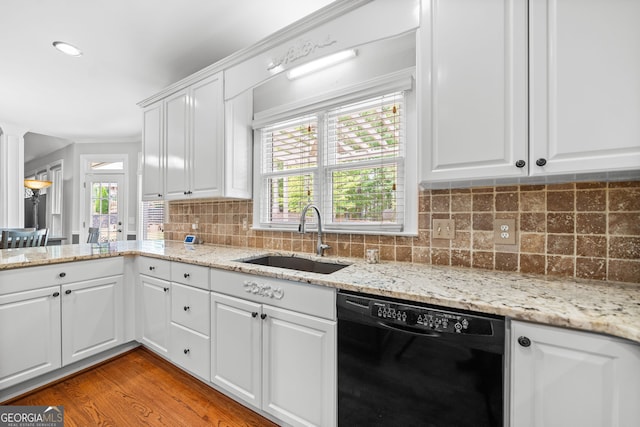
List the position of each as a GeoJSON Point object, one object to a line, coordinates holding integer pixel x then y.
{"type": "Point", "coordinates": [582, 230]}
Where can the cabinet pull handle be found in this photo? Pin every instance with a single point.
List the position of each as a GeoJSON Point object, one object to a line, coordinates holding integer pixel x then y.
{"type": "Point", "coordinates": [541, 162]}
{"type": "Point", "coordinates": [61, 275]}
{"type": "Point", "coordinates": [55, 294]}
{"type": "Point", "coordinates": [186, 351]}
{"type": "Point", "coordinates": [151, 268]}
{"type": "Point", "coordinates": [254, 314]}
{"type": "Point", "coordinates": [166, 289]}
{"type": "Point", "coordinates": [524, 341]}
{"type": "Point", "coordinates": [186, 275]}
{"type": "Point", "coordinates": [187, 308]}
{"type": "Point", "coordinates": [263, 316]}
{"type": "Point", "coordinates": [67, 292]}
{"type": "Point", "coordinates": [521, 164]}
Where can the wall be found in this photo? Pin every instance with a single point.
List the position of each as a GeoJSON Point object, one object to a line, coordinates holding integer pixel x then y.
{"type": "Point", "coordinates": [583, 230]}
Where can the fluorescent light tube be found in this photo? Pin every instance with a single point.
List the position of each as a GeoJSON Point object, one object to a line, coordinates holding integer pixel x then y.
{"type": "Point", "coordinates": [321, 63]}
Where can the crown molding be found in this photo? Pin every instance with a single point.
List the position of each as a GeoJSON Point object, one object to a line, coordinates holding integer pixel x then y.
{"type": "Point", "coordinates": [321, 16]}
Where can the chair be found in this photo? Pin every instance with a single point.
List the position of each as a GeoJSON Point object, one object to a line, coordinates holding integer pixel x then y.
{"type": "Point", "coordinates": [24, 239]}
{"type": "Point", "coordinates": [94, 234]}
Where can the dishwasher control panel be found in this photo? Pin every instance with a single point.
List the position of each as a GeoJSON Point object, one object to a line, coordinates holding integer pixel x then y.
{"type": "Point", "coordinates": [429, 319]}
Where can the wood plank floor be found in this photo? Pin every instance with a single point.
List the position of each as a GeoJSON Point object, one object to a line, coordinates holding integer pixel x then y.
{"type": "Point", "coordinates": [140, 388]}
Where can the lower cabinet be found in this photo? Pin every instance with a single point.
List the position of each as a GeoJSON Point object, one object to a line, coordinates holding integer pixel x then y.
{"type": "Point", "coordinates": [52, 316]}
{"type": "Point", "coordinates": [29, 334]}
{"type": "Point", "coordinates": [154, 313]}
{"type": "Point", "coordinates": [274, 358]}
{"type": "Point", "coordinates": [92, 318]}
{"type": "Point", "coordinates": [562, 377]}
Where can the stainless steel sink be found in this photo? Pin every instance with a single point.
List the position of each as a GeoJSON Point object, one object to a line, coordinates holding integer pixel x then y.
{"type": "Point", "coordinates": [297, 263]}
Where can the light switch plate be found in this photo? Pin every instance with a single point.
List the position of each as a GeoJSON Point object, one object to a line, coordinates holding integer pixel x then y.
{"type": "Point", "coordinates": [444, 229]}
{"type": "Point", "coordinates": [504, 231]}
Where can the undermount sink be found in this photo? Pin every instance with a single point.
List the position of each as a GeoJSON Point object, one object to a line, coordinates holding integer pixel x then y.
{"type": "Point", "coordinates": [297, 263]}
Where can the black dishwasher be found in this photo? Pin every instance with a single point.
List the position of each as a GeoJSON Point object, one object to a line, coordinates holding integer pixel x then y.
{"type": "Point", "coordinates": [409, 364]}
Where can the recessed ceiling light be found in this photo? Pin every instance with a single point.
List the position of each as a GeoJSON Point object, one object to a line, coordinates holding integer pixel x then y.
{"type": "Point", "coordinates": [67, 49]}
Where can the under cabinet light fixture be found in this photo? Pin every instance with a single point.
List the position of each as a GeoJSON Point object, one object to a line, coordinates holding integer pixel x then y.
{"type": "Point", "coordinates": [67, 48]}
{"type": "Point", "coordinates": [321, 63]}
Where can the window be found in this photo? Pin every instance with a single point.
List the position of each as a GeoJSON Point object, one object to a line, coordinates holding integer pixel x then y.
{"type": "Point", "coordinates": [348, 159]}
{"type": "Point", "coordinates": [152, 215]}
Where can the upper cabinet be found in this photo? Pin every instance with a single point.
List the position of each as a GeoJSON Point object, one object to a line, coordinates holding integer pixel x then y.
{"type": "Point", "coordinates": [510, 91]}
{"type": "Point", "coordinates": [194, 153]}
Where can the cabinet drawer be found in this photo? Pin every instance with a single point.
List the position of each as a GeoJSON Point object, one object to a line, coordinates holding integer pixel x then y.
{"type": "Point", "coordinates": [188, 274]}
{"type": "Point", "coordinates": [190, 307]}
{"type": "Point", "coordinates": [154, 267]}
{"type": "Point", "coordinates": [190, 350]}
{"type": "Point", "coordinates": [25, 279]}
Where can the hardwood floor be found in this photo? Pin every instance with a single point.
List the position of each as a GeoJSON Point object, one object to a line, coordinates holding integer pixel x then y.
{"type": "Point", "coordinates": [140, 388]}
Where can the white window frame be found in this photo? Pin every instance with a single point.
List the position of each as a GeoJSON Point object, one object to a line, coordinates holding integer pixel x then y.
{"type": "Point", "coordinates": [402, 81]}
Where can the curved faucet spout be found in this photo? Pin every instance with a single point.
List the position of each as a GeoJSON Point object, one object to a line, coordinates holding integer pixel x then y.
{"type": "Point", "coordinates": [321, 247]}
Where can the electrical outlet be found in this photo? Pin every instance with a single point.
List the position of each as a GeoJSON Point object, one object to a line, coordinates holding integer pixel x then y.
{"type": "Point", "coordinates": [444, 229]}
{"type": "Point", "coordinates": [504, 231]}
{"type": "Point", "coordinates": [245, 224]}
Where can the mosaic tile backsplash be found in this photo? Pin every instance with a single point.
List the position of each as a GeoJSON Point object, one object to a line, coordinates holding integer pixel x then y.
{"type": "Point", "coordinates": [583, 230]}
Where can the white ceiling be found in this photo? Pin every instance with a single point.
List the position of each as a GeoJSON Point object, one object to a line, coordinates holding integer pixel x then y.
{"type": "Point", "coordinates": [132, 49]}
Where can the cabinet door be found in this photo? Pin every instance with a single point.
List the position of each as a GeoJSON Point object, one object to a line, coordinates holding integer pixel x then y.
{"type": "Point", "coordinates": [473, 77]}
{"type": "Point", "coordinates": [238, 143]}
{"type": "Point", "coordinates": [207, 138]}
{"type": "Point", "coordinates": [299, 368]}
{"type": "Point", "coordinates": [154, 310]}
{"type": "Point", "coordinates": [585, 89]}
{"type": "Point", "coordinates": [92, 317]}
{"type": "Point", "coordinates": [190, 307]}
{"type": "Point", "coordinates": [236, 340]}
{"type": "Point", "coordinates": [29, 334]}
{"type": "Point", "coordinates": [572, 378]}
{"type": "Point", "coordinates": [176, 140]}
{"type": "Point", "coordinates": [152, 153]}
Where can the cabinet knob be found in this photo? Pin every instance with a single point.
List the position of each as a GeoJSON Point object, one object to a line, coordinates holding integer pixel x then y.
{"type": "Point", "coordinates": [186, 275]}
{"type": "Point", "coordinates": [541, 162]}
{"type": "Point", "coordinates": [55, 294]}
{"type": "Point", "coordinates": [159, 195]}
{"type": "Point", "coordinates": [254, 314]}
{"type": "Point", "coordinates": [151, 268]}
{"type": "Point", "coordinates": [521, 164]}
{"type": "Point", "coordinates": [187, 308]}
{"type": "Point", "coordinates": [186, 351]}
{"type": "Point", "coordinates": [524, 341]}
{"type": "Point", "coordinates": [67, 292]}
{"type": "Point", "coordinates": [263, 316]}
{"type": "Point", "coordinates": [166, 289]}
{"type": "Point", "coordinates": [61, 275]}
{"type": "Point", "coordinates": [184, 192]}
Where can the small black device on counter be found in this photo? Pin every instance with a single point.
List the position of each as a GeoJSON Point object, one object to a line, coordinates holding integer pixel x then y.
{"type": "Point", "coordinates": [402, 363]}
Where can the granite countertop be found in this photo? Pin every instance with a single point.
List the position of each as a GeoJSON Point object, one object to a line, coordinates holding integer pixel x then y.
{"type": "Point", "coordinates": [606, 307]}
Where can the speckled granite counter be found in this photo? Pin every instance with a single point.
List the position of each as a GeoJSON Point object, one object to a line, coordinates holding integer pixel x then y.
{"type": "Point", "coordinates": [606, 307]}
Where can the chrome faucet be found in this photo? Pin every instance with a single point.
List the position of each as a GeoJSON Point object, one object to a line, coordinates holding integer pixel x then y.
{"type": "Point", "coordinates": [321, 246]}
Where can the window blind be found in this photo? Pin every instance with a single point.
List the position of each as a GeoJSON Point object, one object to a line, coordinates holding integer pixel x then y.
{"type": "Point", "coordinates": [365, 148]}
{"type": "Point", "coordinates": [290, 163]}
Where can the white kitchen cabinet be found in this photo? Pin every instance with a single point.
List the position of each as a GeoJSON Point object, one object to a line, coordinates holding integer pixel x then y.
{"type": "Point", "coordinates": [30, 334]}
{"type": "Point", "coordinates": [562, 377]}
{"type": "Point", "coordinates": [154, 307]}
{"type": "Point", "coordinates": [194, 126]}
{"type": "Point", "coordinates": [154, 310]}
{"type": "Point", "coordinates": [584, 85]}
{"type": "Point", "coordinates": [472, 70]}
{"type": "Point", "coordinates": [43, 328]}
{"type": "Point", "coordinates": [510, 91]}
{"type": "Point", "coordinates": [189, 345]}
{"type": "Point", "coordinates": [153, 152]}
{"type": "Point", "coordinates": [267, 351]}
{"type": "Point", "coordinates": [238, 145]}
{"type": "Point", "coordinates": [92, 317]}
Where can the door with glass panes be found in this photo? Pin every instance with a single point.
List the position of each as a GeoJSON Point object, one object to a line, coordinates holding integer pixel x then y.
{"type": "Point", "coordinates": [104, 202]}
